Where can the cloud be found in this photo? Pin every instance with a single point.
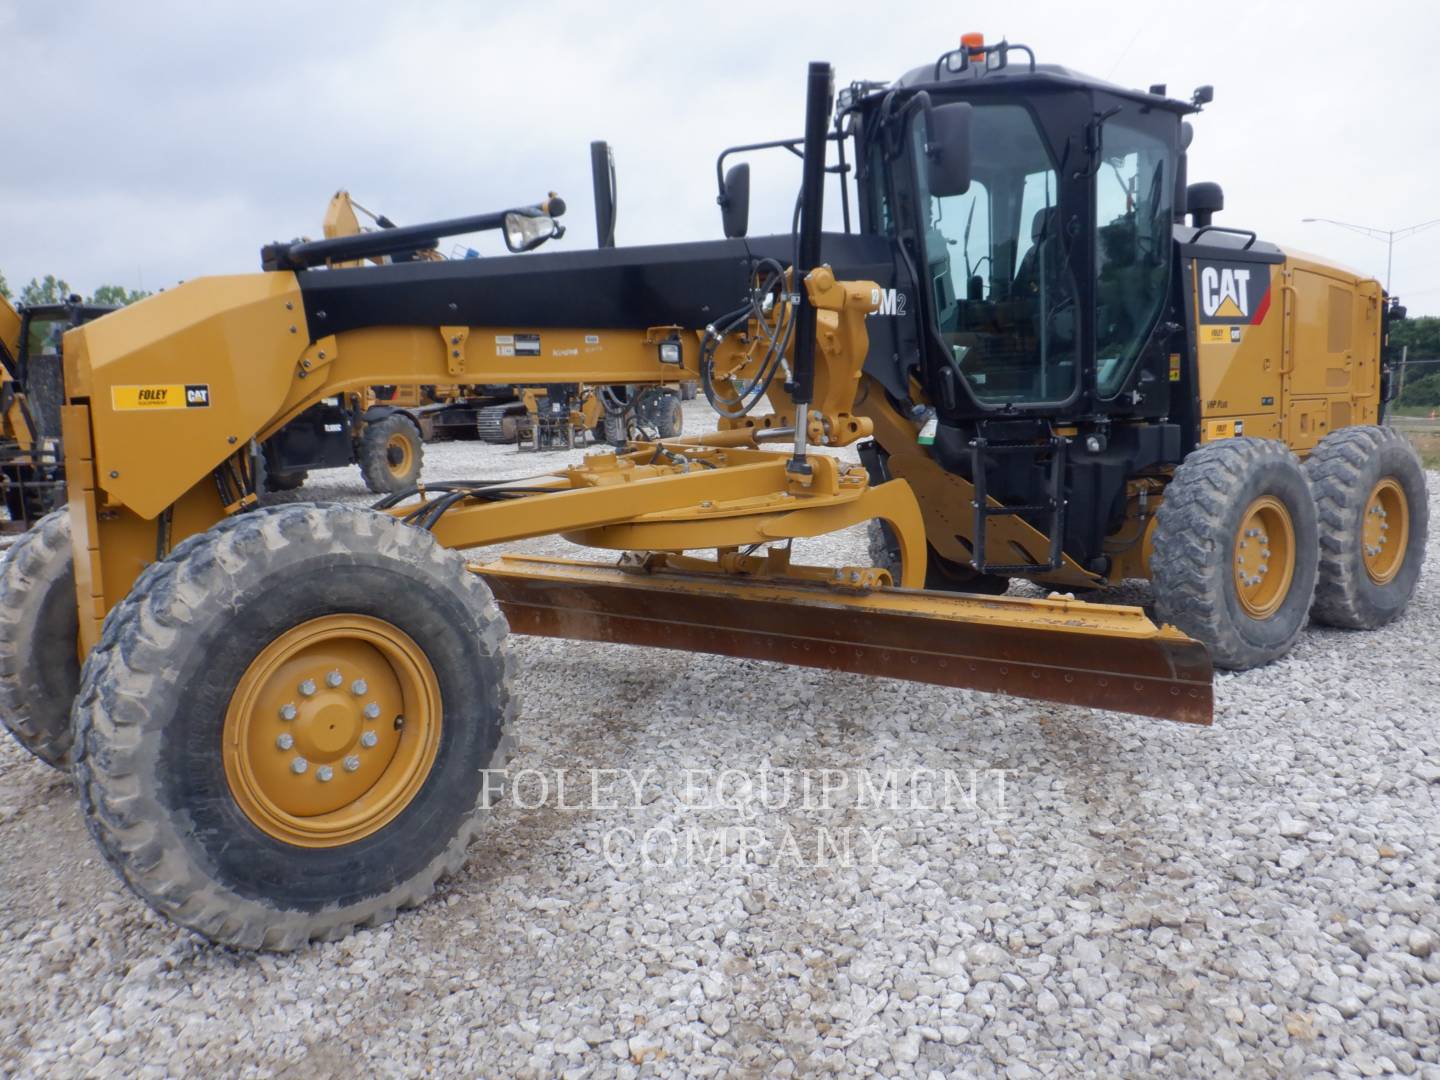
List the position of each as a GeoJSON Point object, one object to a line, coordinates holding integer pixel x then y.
{"type": "Point", "coordinates": [153, 142]}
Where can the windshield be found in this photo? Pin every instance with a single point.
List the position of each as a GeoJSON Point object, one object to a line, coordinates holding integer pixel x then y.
{"type": "Point", "coordinates": [1001, 286]}
{"type": "Point", "coordinates": [1132, 265]}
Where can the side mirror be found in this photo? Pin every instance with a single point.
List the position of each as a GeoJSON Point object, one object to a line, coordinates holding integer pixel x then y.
{"type": "Point", "coordinates": [527, 231]}
{"type": "Point", "coordinates": [602, 175]}
{"type": "Point", "coordinates": [735, 201]}
{"type": "Point", "coordinates": [947, 149]}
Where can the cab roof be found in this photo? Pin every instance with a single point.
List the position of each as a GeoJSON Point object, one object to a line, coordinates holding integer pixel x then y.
{"type": "Point", "coordinates": [1013, 67]}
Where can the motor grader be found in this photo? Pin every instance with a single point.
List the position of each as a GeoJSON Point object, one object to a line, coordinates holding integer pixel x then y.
{"type": "Point", "coordinates": [290, 720]}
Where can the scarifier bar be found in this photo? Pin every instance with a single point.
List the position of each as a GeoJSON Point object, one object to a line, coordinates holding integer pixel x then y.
{"type": "Point", "coordinates": [1103, 656]}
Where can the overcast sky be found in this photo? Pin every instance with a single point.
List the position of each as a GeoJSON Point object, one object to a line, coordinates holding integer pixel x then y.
{"type": "Point", "coordinates": [150, 142]}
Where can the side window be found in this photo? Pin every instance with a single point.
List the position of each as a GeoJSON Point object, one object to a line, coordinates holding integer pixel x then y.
{"type": "Point", "coordinates": [958, 245]}
{"type": "Point", "coordinates": [1132, 250]}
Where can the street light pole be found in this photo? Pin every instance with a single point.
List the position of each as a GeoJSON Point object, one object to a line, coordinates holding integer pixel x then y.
{"type": "Point", "coordinates": [1388, 235]}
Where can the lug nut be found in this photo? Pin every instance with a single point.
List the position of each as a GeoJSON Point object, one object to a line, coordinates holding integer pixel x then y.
{"type": "Point", "coordinates": [369, 739]}
{"type": "Point", "coordinates": [324, 773]}
{"type": "Point", "coordinates": [307, 688]}
{"type": "Point", "coordinates": [359, 687]}
{"type": "Point", "coordinates": [372, 711]}
{"type": "Point", "coordinates": [352, 763]}
{"type": "Point", "coordinates": [288, 712]}
{"type": "Point", "coordinates": [299, 765]}
{"type": "Point", "coordinates": [334, 679]}
{"type": "Point", "coordinates": [285, 741]}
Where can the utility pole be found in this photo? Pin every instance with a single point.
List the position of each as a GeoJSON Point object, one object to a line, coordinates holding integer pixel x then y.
{"type": "Point", "coordinates": [1388, 235]}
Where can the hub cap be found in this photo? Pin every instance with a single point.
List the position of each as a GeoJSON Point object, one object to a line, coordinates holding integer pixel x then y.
{"type": "Point", "coordinates": [1385, 531]}
{"type": "Point", "coordinates": [1264, 557]}
{"type": "Point", "coordinates": [329, 767]}
{"type": "Point", "coordinates": [397, 454]}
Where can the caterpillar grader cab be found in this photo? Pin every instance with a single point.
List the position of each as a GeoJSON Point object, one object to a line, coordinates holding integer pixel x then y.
{"type": "Point", "coordinates": [291, 719]}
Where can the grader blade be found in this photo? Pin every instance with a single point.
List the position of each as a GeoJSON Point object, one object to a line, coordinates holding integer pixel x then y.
{"type": "Point", "coordinates": [1102, 656]}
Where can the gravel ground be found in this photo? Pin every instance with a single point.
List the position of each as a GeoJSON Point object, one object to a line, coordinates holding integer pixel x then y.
{"type": "Point", "coordinates": [1065, 891]}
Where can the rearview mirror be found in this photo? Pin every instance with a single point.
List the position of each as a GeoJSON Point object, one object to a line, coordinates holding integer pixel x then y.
{"type": "Point", "coordinates": [525, 232]}
{"type": "Point", "coordinates": [947, 149]}
{"type": "Point", "coordinates": [735, 201]}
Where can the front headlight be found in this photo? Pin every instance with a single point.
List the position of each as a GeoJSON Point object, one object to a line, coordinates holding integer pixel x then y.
{"type": "Point", "coordinates": [524, 232]}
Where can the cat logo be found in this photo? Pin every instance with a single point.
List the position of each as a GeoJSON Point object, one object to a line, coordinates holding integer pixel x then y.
{"type": "Point", "coordinates": [149, 398]}
{"type": "Point", "coordinates": [1233, 293]}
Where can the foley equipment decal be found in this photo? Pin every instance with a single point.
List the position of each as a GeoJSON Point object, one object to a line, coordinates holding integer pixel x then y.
{"type": "Point", "coordinates": [166, 396]}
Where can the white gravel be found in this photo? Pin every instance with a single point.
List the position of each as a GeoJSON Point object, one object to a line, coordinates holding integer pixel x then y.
{"type": "Point", "coordinates": [1125, 896]}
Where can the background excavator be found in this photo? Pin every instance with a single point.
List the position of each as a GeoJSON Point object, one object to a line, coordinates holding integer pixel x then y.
{"type": "Point", "coordinates": [290, 719]}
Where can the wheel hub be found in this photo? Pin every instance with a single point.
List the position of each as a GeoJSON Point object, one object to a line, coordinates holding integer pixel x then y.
{"type": "Point", "coordinates": [1264, 557]}
{"type": "Point", "coordinates": [332, 730]}
{"type": "Point", "coordinates": [1384, 531]}
{"type": "Point", "coordinates": [397, 453]}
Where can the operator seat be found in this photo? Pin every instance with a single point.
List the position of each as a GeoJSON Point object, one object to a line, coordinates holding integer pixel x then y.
{"type": "Point", "coordinates": [1027, 276]}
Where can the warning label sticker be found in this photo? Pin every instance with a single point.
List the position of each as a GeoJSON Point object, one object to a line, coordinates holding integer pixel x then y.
{"type": "Point", "coordinates": [165, 396]}
{"type": "Point", "coordinates": [527, 344]}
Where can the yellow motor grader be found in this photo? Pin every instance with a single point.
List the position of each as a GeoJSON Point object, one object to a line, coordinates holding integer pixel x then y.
{"type": "Point", "coordinates": [291, 719]}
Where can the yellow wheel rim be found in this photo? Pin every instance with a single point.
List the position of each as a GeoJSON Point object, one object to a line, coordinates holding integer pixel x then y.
{"type": "Point", "coordinates": [332, 730]}
{"type": "Point", "coordinates": [1264, 557]}
{"type": "Point", "coordinates": [1385, 531]}
{"type": "Point", "coordinates": [398, 454]}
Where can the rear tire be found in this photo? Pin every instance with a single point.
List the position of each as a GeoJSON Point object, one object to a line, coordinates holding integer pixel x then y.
{"type": "Point", "coordinates": [669, 415]}
{"type": "Point", "coordinates": [391, 454]}
{"type": "Point", "coordinates": [39, 628]}
{"type": "Point", "coordinates": [1368, 480]}
{"type": "Point", "coordinates": [1211, 567]}
{"type": "Point", "coordinates": [187, 787]}
{"type": "Point", "coordinates": [941, 573]}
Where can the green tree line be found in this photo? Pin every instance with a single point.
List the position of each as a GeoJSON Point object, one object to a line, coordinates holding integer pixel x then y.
{"type": "Point", "coordinates": [1420, 337]}
{"type": "Point", "coordinates": [56, 290]}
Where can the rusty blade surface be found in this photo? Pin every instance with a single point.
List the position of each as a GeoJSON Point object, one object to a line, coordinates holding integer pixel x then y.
{"type": "Point", "coordinates": [1102, 656]}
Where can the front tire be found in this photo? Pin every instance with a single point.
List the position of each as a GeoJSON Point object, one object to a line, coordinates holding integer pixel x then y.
{"type": "Point", "coordinates": [1236, 552]}
{"type": "Point", "coordinates": [1374, 520]}
{"type": "Point", "coordinates": [230, 763]}
{"type": "Point", "coordinates": [391, 454]}
{"type": "Point", "coordinates": [39, 627]}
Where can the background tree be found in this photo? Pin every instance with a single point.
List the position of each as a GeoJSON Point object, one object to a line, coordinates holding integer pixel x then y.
{"type": "Point", "coordinates": [4, 287]}
{"type": "Point", "coordinates": [117, 295]}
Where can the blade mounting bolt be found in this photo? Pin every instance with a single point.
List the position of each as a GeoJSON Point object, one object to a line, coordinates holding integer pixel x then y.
{"type": "Point", "coordinates": [359, 687]}
{"type": "Point", "coordinates": [285, 741]}
{"type": "Point", "coordinates": [288, 711]}
{"type": "Point", "coordinates": [334, 679]}
{"type": "Point", "coordinates": [324, 773]}
{"type": "Point", "coordinates": [352, 763]}
{"type": "Point", "coordinates": [372, 711]}
{"type": "Point", "coordinates": [307, 688]}
{"type": "Point", "coordinates": [369, 739]}
{"type": "Point", "coordinates": [299, 765]}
